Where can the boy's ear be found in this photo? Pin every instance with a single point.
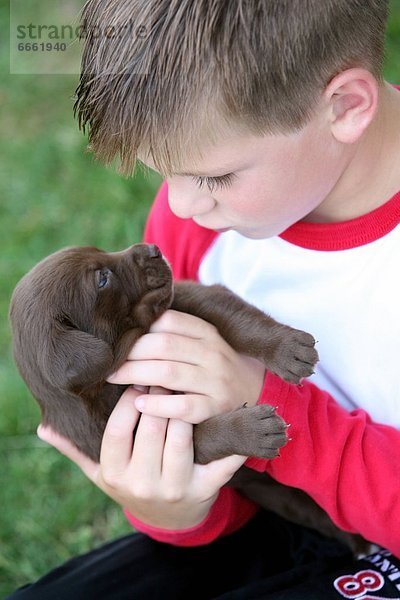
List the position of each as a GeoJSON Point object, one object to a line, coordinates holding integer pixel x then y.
{"type": "Point", "coordinates": [353, 99]}
{"type": "Point", "coordinates": [75, 360]}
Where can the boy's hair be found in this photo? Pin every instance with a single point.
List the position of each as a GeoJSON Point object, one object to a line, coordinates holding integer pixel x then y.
{"type": "Point", "coordinates": [160, 77]}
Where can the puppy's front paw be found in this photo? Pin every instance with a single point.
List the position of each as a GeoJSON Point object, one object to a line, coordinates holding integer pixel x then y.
{"type": "Point", "coordinates": [295, 356]}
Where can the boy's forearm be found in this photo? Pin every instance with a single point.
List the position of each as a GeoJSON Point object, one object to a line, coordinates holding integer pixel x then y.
{"type": "Point", "coordinates": [344, 461]}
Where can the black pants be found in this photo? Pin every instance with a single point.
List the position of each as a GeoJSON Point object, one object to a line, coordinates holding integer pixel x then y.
{"type": "Point", "coordinates": [268, 558]}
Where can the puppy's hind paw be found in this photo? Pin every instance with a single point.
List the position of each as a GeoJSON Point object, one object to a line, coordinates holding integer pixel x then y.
{"type": "Point", "coordinates": [260, 432]}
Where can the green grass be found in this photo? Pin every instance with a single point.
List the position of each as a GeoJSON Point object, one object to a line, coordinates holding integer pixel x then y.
{"type": "Point", "coordinates": [54, 194]}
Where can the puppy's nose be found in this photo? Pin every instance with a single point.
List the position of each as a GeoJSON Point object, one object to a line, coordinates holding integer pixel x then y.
{"type": "Point", "coordinates": [154, 251]}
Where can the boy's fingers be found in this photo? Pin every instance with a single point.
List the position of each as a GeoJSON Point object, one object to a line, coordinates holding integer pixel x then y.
{"type": "Point", "coordinates": [116, 448]}
{"type": "Point", "coordinates": [177, 466]}
{"type": "Point", "coordinates": [191, 408]}
{"type": "Point", "coordinates": [170, 346]}
{"type": "Point", "coordinates": [173, 321]}
{"type": "Point", "coordinates": [168, 374]}
{"type": "Point", "coordinates": [148, 448]}
{"type": "Point", "coordinates": [68, 449]}
{"type": "Point", "coordinates": [217, 473]}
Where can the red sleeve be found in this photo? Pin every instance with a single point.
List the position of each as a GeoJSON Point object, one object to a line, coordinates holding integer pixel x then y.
{"type": "Point", "coordinates": [229, 512]}
{"type": "Point", "coordinates": [345, 461]}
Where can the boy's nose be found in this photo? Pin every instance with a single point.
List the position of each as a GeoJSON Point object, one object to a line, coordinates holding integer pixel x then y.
{"type": "Point", "coordinates": [187, 203]}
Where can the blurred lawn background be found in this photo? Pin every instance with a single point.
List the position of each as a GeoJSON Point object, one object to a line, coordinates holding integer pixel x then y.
{"type": "Point", "coordinates": [54, 194]}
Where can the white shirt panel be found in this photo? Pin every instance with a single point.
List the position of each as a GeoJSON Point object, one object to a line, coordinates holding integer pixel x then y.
{"type": "Point", "coordinates": [349, 300]}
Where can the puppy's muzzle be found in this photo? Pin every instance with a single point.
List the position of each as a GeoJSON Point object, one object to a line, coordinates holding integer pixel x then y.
{"type": "Point", "coordinates": [154, 251]}
{"type": "Point", "coordinates": [142, 253]}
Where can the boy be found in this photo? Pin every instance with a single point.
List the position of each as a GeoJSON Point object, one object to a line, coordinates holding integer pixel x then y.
{"type": "Point", "coordinates": [280, 145]}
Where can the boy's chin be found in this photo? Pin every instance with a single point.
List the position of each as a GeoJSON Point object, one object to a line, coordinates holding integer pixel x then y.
{"type": "Point", "coordinates": [258, 234]}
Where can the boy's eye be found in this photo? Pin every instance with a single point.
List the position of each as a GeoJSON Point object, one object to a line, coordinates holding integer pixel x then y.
{"type": "Point", "coordinates": [212, 183]}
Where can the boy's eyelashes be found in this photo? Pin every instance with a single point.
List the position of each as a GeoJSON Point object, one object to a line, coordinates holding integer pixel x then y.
{"type": "Point", "coordinates": [213, 183]}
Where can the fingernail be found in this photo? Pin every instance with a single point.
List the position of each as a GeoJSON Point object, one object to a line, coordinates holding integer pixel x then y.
{"type": "Point", "coordinates": [40, 432]}
{"type": "Point", "coordinates": [140, 403]}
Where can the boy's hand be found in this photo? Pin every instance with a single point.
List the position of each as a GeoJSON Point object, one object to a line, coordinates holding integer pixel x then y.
{"type": "Point", "coordinates": [186, 353]}
{"type": "Point", "coordinates": [156, 479]}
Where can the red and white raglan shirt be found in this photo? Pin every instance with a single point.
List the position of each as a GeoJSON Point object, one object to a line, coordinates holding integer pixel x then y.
{"type": "Point", "coordinates": [341, 283]}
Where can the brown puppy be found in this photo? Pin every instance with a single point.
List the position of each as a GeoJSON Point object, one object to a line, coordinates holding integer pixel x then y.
{"type": "Point", "coordinates": [76, 315]}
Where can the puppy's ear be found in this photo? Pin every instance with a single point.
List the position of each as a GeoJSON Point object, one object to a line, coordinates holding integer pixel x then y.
{"type": "Point", "coordinates": [75, 360]}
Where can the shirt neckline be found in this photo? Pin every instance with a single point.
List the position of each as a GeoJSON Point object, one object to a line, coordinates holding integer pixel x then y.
{"type": "Point", "coordinates": [346, 234]}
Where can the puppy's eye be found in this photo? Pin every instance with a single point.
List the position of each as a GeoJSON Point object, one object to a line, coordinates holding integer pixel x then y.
{"type": "Point", "coordinates": [102, 277]}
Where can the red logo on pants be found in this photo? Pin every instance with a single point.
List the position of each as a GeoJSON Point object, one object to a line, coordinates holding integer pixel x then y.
{"type": "Point", "coordinates": [357, 585]}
